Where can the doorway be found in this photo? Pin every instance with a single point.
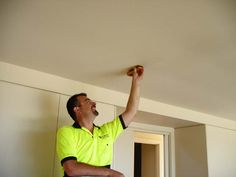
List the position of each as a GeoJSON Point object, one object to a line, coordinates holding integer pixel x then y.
{"type": "Point", "coordinates": [148, 155]}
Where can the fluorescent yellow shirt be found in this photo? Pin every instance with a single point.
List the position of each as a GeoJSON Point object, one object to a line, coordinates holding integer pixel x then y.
{"type": "Point", "coordinates": [78, 143]}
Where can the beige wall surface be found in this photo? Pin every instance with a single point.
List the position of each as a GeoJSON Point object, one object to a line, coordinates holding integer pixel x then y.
{"type": "Point", "coordinates": [27, 131]}
{"type": "Point", "coordinates": [191, 152]}
{"type": "Point", "coordinates": [124, 154]}
{"type": "Point", "coordinates": [221, 151]}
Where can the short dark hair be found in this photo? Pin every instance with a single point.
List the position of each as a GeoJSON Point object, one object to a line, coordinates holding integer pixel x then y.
{"type": "Point", "coordinates": [73, 102]}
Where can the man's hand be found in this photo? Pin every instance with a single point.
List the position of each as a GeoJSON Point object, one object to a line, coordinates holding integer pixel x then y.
{"type": "Point", "coordinates": [136, 71]}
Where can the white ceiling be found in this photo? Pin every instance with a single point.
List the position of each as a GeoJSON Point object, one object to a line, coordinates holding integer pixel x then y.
{"type": "Point", "coordinates": [188, 47]}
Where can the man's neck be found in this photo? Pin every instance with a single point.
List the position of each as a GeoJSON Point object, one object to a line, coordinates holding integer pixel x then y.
{"type": "Point", "coordinates": [86, 124]}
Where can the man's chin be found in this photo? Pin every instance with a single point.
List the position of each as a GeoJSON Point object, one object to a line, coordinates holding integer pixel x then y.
{"type": "Point", "coordinates": [95, 112]}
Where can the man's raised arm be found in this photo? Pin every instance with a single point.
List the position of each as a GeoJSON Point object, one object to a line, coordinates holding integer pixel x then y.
{"type": "Point", "coordinates": [133, 101]}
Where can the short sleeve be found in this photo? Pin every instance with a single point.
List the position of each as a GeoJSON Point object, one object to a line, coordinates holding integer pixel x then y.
{"type": "Point", "coordinates": [65, 144]}
{"type": "Point", "coordinates": [115, 127]}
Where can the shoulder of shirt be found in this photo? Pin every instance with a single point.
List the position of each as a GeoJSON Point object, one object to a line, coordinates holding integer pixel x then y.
{"type": "Point", "coordinates": [66, 128]}
{"type": "Point", "coordinates": [108, 122]}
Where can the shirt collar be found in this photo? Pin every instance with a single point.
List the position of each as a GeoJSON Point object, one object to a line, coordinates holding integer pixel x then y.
{"type": "Point", "coordinates": [77, 125]}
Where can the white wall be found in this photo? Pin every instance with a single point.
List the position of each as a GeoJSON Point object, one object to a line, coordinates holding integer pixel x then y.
{"type": "Point", "coordinates": [124, 154]}
{"type": "Point", "coordinates": [205, 151]}
{"type": "Point", "coordinates": [191, 152]}
{"type": "Point", "coordinates": [27, 131]}
{"type": "Point", "coordinates": [221, 151]}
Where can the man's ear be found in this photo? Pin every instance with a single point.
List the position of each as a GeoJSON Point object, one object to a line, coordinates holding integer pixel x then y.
{"type": "Point", "coordinates": [76, 109]}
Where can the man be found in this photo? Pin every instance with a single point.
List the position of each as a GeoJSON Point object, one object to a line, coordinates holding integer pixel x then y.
{"type": "Point", "coordinates": [86, 149]}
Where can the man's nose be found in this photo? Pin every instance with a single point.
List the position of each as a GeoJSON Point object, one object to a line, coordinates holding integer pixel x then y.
{"type": "Point", "coordinates": [93, 102]}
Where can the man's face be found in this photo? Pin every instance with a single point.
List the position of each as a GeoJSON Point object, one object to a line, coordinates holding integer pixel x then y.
{"type": "Point", "coordinates": [87, 106]}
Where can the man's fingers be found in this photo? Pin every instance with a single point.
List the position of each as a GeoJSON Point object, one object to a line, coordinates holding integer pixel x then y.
{"type": "Point", "coordinates": [136, 69]}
